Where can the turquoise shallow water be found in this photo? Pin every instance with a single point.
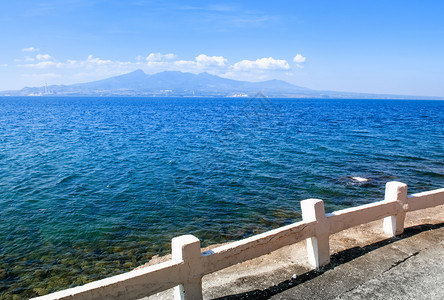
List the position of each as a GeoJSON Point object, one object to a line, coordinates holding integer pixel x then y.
{"type": "Point", "coordinates": [91, 187]}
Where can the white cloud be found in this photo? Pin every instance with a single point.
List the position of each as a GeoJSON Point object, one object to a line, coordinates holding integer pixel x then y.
{"type": "Point", "coordinates": [155, 57]}
{"type": "Point", "coordinates": [43, 65]}
{"type": "Point", "coordinates": [97, 61]}
{"type": "Point", "coordinates": [201, 63]}
{"type": "Point", "coordinates": [205, 60]}
{"type": "Point", "coordinates": [262, 64]}
{"type": "Point", "coordinates": [43, 57]}
{"type": "Point", "coordinates": [158, 60]}
{"type": "Point", "coordinates": [3, 65]}
{"type": "Point", "coordinates": [45, 61]}
{"type": "Point", "coordinates": [299, 59]}
{"type": "Point", "coordinates": [30, 49]}
{"type": "Point", "coordinates": [157, 65]}
{"type": "Point", "coordinates": [185, 63]}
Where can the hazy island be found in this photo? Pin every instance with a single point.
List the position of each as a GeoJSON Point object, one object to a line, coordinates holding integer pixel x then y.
{"type": "Point", "coordinates": [180, 84]}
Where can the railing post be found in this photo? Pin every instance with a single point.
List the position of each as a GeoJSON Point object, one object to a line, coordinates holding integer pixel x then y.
{"type": "Point", "coordinates": [318, 249]}
{"type": "Point", "coordinates": [395, 191]}
{"type": "Point", "coordinates": [186, 248]}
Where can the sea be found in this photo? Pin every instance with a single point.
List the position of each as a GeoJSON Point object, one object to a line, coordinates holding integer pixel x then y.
{"type": "Point", "coordinates": [93, 187]}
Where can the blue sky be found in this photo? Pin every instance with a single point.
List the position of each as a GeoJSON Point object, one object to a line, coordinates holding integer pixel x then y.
{"type": "Point", "coordinates": [374, 46]}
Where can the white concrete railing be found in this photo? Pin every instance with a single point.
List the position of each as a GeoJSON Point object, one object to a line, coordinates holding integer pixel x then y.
{"type": "Point", "coordinates": [188, 265]}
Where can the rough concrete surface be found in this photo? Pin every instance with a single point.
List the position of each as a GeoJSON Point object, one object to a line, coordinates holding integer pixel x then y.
{"type": "Point", "coordinates": [410, 267]}
{"type": "Point", "coordinates": [365, 264]}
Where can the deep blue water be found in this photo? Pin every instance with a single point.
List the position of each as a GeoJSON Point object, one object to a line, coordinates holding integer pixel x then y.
{"type": "Point", "coordinates": [91, 187]}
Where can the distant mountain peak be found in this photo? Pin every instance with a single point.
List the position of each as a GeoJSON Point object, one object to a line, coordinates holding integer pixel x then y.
{"type": "Point", "coordinates": [138, 71]}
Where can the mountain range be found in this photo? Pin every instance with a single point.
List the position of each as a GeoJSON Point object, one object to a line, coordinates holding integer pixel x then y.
{"type": "Point", "coordinates": [179, 84]}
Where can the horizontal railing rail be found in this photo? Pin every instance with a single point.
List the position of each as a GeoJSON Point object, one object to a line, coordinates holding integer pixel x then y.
{"type": "Point", "coordinates": [188, 265]}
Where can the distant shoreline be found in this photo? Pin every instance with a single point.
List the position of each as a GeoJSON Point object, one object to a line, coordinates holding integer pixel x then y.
{"type": "Point", "coordinates": [227, 97]}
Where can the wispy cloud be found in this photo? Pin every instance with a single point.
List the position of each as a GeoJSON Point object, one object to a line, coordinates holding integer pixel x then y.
{"type": "Point", "coordinates": [222, 8]}
{"type": "Point", "coordinates": [30, 49]}
{"type": "Point", "coordinates": [160, 57]}
{"type": "Point", "coordinates": [54, 7]}
{"type": "Point", "coordinates": [43, 57]}
{"type": "Point", "coordinates": [221, 16]}
{"type": "Point", "coordinates": [43, 65]}
{"type": "Point", "coordinates": [250, 20]}
{"type": "Point", "coordinates": [47, 61]}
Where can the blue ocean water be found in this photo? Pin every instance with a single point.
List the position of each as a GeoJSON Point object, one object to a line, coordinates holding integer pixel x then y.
{"type": "Point", "coordinates": [92, 187]}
